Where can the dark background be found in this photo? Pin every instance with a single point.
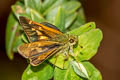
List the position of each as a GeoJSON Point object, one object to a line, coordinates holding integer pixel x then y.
{"type": "Point", "coordinates": [106, 14]}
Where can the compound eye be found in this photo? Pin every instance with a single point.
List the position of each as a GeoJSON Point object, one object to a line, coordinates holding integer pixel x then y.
{"type": "Point", "coordinates": [71, 40]}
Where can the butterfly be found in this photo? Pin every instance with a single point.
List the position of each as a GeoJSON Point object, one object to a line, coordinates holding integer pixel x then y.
{"type": "Point", "coordinates": [45, 40]}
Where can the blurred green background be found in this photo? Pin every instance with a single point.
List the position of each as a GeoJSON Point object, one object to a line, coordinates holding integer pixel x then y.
{"type": "Point", "coordinates": [106, 15]}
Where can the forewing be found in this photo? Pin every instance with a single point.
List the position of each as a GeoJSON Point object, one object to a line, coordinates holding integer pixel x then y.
{"type": "Point", "coordinates": [38, 31]}
{"type": "Point", "coordinates": [37, 52]}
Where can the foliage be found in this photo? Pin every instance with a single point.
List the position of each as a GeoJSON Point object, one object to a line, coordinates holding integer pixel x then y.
{"type": "Point", "coordinates": [68, 16]}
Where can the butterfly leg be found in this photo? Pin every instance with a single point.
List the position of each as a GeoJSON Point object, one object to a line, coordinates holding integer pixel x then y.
{"type": "Point", "coordinates": [66, 55]}
{"type": "Point", "coordinates": [55, 61]}
{"type": "Point", "coordinates": [66, 58]}
{"type": "Point", "coordinates": [71, 51]}
{"type": "Point", "coordinates": [56, 56]}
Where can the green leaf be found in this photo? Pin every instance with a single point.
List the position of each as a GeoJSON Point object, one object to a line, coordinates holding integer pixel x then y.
{"type": "Point", "coordinates": [51, 15]}
{"type": "Point", "coordinates": [88, 44]}
{"type": "Point", "coordinates": [11, 29]}
{"type": "Point", "coordinates": [79, 21]}
{"type": "Point", "coordinates": [48, 3]}
{"type": "Point", "coordinates": [68, 10]}
{"type": "Point", "coordinates": [34, 4]}
{"type": "Point", "coordinates": [69, 20]}
{"type": "Point", "coordinates": [93, 73]}
{"type": "Point", "coordinates": [18, 41]}
{"type": "Point", "coordinates": [68, 74]}
{"type": "Point", "coordinates": [82, 29]}
{"type": "Point", "coordinates": [41, 72]}
{"type": "Point", "coordinates": [60, 19]}
{"type": "Point", "coordinates": [24, 38]}
{"type": "Point", "coordinates": [52, 10]}
{"type": "Point", "coordinates": [18, 9]}
{"type": "Point", "coordinates": [60, 61]}
{"type": "Point", "coordinates": [71, 6]}
{"type": "Point", "coordinates": [35, 16]}
{"type": "Point", "coordinates": [81, 16]}
{"type": "Point", "coordinates": [80, 69]}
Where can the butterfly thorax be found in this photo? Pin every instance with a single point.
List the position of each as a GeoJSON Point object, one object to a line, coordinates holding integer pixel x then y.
{"type": "Point", "coordinates": [66, 39]}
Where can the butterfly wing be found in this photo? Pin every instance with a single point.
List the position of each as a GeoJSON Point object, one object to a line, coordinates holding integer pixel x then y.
{"type": "Point", "coordinates": [38, 31]}
{"type": "Point", "coordinates": [38, 52]}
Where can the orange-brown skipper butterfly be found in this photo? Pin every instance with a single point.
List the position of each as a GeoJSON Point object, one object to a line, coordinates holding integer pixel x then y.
{"type": "Point", "coordinates": [45, 40]}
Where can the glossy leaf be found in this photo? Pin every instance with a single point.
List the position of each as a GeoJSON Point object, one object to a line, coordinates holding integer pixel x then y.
{"type": "Point", "coordinates": [24, 38]}
{"type": "Point", "coordinates": [67, 74]}
{"type": "Point", "coordinates": [82, 29]}
{"type": "Point", "coordinates": [81, 16]}
{"type": "Point", "coordinates": [93, 73]}
{"type": "Point", "coordinates": [41, 72]}
{"type": "Point", "coordinates": [18, 41]}
{"type": "Point", "coordinates": [60, 61]}
{"type": "Point", "coordinates": [80, 69]}
{"type": "Point", "coordinates": [18, 9]}
{"type": "Point", "coordinates": [88, 44]}
{"type": "Point", "coordinates": [12, 26]}
{"type": "Point", "coordinates": [51, 15]}
{"type": "Point", "coordinates": [51, 11]}
{"type": "Point", "coordinates": [69, 20]}
{"type": "Point", "coordinates": [60, 19]}
{"type": "Point", "coordinates": [48, 3]}
{"type": "Point", "coordinates": [34, 4]}
{"type": "Point", "coordinates": [79, 21]}
{"type": "Point", "coordinates": [71, 6]}
{"type": "Point", "coordinates": [35, 16]}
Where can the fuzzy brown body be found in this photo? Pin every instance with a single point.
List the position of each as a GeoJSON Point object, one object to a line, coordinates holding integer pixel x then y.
{"type": "Point", "coordinates": [45, 40]}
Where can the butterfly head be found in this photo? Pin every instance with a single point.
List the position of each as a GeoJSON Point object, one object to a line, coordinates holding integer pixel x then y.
{"type": "Point", "coordinates": [73, 39]}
